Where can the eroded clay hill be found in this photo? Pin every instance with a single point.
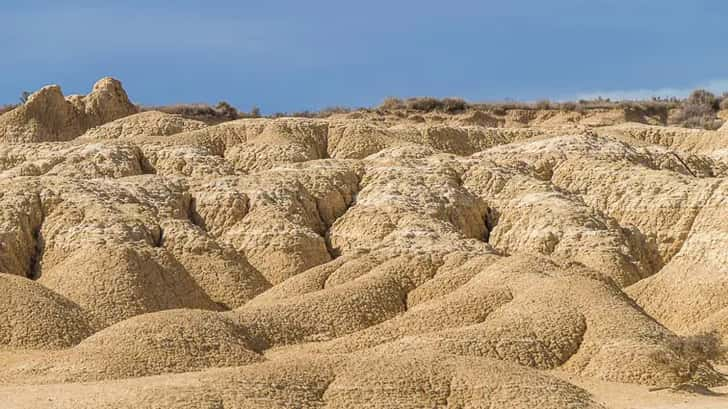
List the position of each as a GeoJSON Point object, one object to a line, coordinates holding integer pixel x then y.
{"type": "Point", "coordinates": [148, 260]}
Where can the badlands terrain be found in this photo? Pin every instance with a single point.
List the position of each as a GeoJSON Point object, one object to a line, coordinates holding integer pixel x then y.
{"type": "Point", "coordinates": [527, 259]}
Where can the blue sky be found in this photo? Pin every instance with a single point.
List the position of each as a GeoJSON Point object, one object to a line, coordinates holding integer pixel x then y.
{"type": "Point", "coordinates": [296, 55]}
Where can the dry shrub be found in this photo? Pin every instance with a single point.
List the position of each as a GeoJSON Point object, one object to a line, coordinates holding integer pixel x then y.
{"type": "Point", "coordinates": [569, 106]}
{"type": "Point", "coordinates": [454, 105]}
{"type": "Point", "coordinates": [202, 112]}
{"type": "Point", "coordinates": [328, 111]}
{"type": "Point", "coordinates": [424, 104]}
{"type": "Point", "coordinates": [391, 103]}
{"type": "Point", "coordinates": [723, 105]}
{"type": "Point", "coordinates": [656, 107]}
{"type": "Point", "coordinates": [710, 123]}
{"type": "Point", "coordinates": [227, 111]}
{"type": "Point", "coordinates": [323, 113]}
{"type": "Point", "coordinates": [703, 347]}
{"type": "Point", "coordinates": [543, 104]}
{"type": "Point", "coordinates": [222, 112]}
{"type": "Point", "coordinates": [697, 352]}
{"type": "Point", "coordinates": [24, 96]}
{"type": "Point", "coordinates": [698, 111]}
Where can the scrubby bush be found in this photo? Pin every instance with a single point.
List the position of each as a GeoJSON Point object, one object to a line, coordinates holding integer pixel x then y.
{"type": "Point", "coordinates": [710, 123]}
{"type": "Point", "coordinates": [192, 111]}
{"type": "Point", "coordinates": [698, 111]}
{"type": "Point", "coordinates": [24, 96]}
{"type": "Point", "coordinates": [391, 103]}
{"type": "Point", "coordinates": [723, 101]}
{"type": "Point", "coordinates": [454, 105]}
{"type": "Point", "coordinates": [543, 104]}
{"type": "Point", "coordinates": [701, 348]}
{"type": "Point", "coordinates": [569, 106]}
{"type": "Point", "coordinates": [701, 97]}
{"type": "Point", "coordinates": [424, 104]}
{"type": "Point", "coordinates": [697, 352]}
{"type": "Point", "coordinates": [706, 346]}
{"type": "Point", "coordinates": [655, 107]}
{"type": "Point", "coordinates": [323, 113]}
{"type": "Point", "coordinates": [202, 112]}
{"type": "Point", "coordinates": [328, 111]}
{"type": "Point", "coordinates": [226, 110]}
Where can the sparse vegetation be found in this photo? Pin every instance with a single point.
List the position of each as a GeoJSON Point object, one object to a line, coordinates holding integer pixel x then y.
{"type": "Point", "coordinates": [201, 112]}
{"type": "Point", "coordinates": [697, 350]}
{"type": "Point", "coordinates": [723, 101]}
{"type": "Point", "coordinates": [24, 96]}
{"type": "Point", "coordinates": [222, 112]}
{"type": "Point", "coordinates": [9, 107]}
{"type": "Point", "coordinates": [425, 104]}
{"type": "Point", "coordinates": [227, 110]}
{"type": "Point", "coordinates": [391, 103]}
{"type": "Point", "coordinates": [543, 104]}
{"type": "Point", "coordinates": [323, 113]}
{"type": "Point", "coordinates": [703, 347]}
{"type": "Point", "coordinates": [455, 105]}
{"type": "Point", "coordinates": [698, 111]}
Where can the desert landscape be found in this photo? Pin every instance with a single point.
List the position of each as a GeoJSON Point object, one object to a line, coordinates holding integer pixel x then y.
{"type": "Point", "coordinates": [394, 257]}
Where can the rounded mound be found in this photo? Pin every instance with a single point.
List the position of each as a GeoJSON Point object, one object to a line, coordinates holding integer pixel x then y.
{"type": "Point", "coordinates": [34, 317]}
{"type": "Point", "coordinates": [149, 123]}
{"type": "Point", "coordinates": [429, 380]}
{"type": "Point", "coordinates": [150, 344]}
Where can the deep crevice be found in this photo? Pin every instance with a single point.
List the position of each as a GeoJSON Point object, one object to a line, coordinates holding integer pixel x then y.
{"type": "Point", "coordinates": [405, 296]}
{"type": "Point", "coordinates": [491, 220]}
{"type": "Point", "coordinates": [158, 239]}
{"type": "Point", "coordinates": [325, 234]}
{"type": "Point", "coordinates": [192, 214]}
{"type": "Point", "coordinates": [222, 306]}
{"type": "Point", "coordinates": [36, 256]}
{"type": "Point", "coordinates": [38, 243]}
{"type": "Point", "coordinates": [144, 164]}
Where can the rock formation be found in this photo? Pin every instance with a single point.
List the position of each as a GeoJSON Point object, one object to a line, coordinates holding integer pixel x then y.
{"type": "Point", "coordinates": [356, 261]}
{"type": "Point", "coordinates": [47, 116]}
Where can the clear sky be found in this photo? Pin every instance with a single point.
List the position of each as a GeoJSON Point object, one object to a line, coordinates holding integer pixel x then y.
{"type": "Point", "coordinates": [308, 54]}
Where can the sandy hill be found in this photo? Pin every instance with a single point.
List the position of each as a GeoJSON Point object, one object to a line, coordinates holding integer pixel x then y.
{"type": "Point", "coordinates": [536, 259]}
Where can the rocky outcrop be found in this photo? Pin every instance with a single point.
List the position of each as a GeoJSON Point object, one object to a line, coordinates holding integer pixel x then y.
{"type": "Point", "coordinates": [48, 116]}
